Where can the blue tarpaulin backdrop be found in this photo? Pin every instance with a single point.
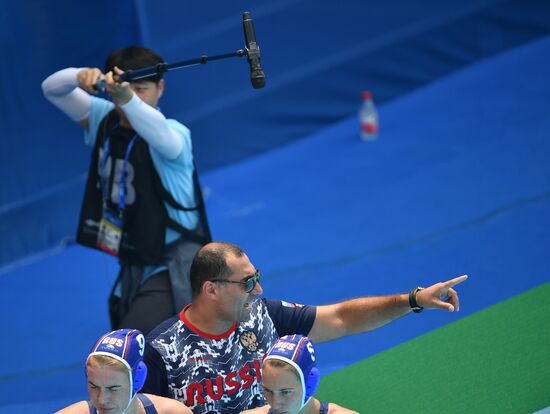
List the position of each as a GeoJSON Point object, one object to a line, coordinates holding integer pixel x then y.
{"type": "Point", "coordinates": [317, 55]}
{"type": "Point", "coordinates": [458, 181]}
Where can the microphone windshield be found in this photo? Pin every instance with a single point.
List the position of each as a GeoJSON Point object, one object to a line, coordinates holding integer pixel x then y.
{"type": "Point", "coordinates": [257, 76]}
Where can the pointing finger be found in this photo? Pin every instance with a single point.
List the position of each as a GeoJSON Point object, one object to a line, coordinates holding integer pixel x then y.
{"type": "Point", "coordinates": [455, 281]}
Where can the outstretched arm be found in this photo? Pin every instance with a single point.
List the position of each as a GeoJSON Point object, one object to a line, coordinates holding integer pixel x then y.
{"type": "Point", "coordinates": [368, 313]}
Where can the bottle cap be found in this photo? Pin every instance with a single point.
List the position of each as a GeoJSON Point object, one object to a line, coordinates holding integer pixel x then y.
{"type": "Point", "coordinates": [367, 95]}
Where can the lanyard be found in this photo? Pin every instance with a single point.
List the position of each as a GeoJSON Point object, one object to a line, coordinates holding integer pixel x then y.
{"type": "Point", "coordinates": [103, 175]}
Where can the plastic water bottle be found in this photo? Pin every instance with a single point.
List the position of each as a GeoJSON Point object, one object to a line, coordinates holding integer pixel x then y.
{"type": "Point", "coordinates": [368, 118]}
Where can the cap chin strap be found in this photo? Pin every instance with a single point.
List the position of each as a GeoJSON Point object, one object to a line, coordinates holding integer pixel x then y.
{"type": "Point", "coordinates": [132, 393]}
{"type": "Point", "coordinates": [125, 411]}
{"type": "Point", "coordinates": [305, 402]}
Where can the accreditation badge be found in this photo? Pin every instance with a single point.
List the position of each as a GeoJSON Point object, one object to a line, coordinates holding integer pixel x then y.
{"type": "Point", "coordinates": [110, 232]}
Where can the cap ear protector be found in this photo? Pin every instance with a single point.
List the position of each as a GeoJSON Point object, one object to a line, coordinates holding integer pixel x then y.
{"type": "Point", "coordinates": [312, 382]}
{"type": "Point", "coordinates": [140, 375]}
{"type": "Point", "coordinates": [126, 346]}
{"type": "Point", "coordinates": [298, 351]}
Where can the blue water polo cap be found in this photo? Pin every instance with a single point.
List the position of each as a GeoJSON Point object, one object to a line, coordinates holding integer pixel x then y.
{"type": "Point", "coordinates": [298, 351]}
{"type": "Point", "coordinates": [126, 346]}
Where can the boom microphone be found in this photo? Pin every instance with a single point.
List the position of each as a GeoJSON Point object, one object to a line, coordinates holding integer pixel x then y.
{"type": "Point", "coordinates": [257, 76]}
{"type": "Point", "coordinates": [252, 51]}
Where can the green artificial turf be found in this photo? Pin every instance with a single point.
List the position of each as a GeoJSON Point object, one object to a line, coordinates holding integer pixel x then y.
{"type": "Point", "coordinates": [494, 361]}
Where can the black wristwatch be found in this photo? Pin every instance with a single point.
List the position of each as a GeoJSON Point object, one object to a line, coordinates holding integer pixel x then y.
{"type": "Point", "coordinates": [416, 308]}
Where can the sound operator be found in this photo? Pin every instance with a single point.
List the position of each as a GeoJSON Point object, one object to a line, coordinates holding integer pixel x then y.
{"type": "Point", "coordinates": [142, 201]}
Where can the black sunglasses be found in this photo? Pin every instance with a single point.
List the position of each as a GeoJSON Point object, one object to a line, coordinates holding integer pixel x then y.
{"type": "Point", "coordinates": [248, 284]}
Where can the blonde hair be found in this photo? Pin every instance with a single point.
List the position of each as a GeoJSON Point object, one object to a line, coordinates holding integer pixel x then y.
{"type": "Point", "coordinates": [277, 363]}
{"type": "Point", "coordinates": [106, 361]}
